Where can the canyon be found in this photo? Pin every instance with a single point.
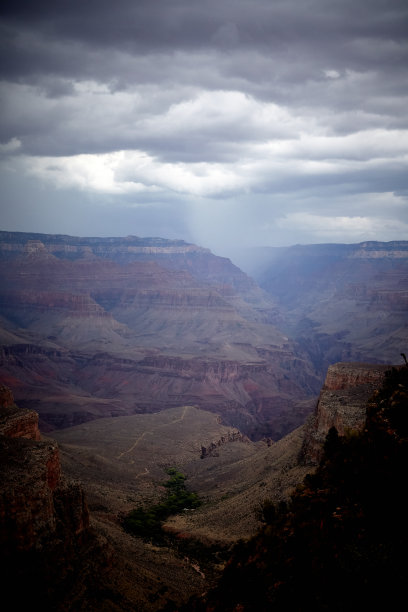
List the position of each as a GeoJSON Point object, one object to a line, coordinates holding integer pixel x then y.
{"type": "Point", "coordinates": [92, 327]}
{"type": "Point", "coordinates": [66, 540]}
{"type": "Point", "coordinates": [96, 327]}
{"type": "Point", "coordinates": [136, 355]}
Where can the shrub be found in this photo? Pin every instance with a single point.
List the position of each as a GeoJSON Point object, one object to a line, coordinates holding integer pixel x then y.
{"type": "Point", "coordinates": [147, 522]}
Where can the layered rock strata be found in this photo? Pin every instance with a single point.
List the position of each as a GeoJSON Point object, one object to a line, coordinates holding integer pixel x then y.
{"type": "Point", "coordinates": [342, 302]}
{"type": "Point", "coordinates": [94, 327]}
{"type": "Point", "coordinates": [342, 404]}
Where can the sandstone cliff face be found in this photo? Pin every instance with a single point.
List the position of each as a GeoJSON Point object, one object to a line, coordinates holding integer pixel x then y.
{"type": "Point", "coordinates": [343, 376]}
{"type": "Point", "coordinates": [44, 520]}
{"type": "Point", "coordinates": [342, 404]}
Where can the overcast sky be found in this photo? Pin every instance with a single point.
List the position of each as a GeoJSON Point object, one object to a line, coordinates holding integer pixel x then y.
{"type": "Point", "coordinates": [222, 122]}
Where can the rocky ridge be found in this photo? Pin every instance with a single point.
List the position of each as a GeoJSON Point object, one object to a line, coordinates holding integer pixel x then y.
{"type": "Point", "coordinates": [232, 436]}
{"type": "Point", "coordinates": [45, 538]}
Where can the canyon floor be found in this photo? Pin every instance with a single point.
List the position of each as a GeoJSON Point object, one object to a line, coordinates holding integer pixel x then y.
{"type": "Point", "coordinates": [121, 464]}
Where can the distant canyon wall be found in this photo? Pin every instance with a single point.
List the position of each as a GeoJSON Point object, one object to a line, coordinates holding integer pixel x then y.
{"type": "Point", "coordinates": [93, 327]}
{"type": "Point", "coordinates": [341, 302]}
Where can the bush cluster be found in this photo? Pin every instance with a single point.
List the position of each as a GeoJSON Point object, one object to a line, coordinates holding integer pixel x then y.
{"type": "Point", "coordinates": [147, 522]}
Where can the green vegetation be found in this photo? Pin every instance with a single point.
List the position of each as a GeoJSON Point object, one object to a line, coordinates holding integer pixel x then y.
{"type": "Point", "coordinates": [147, 522]}
{"type": "Point", "coordinates": [341, 542]}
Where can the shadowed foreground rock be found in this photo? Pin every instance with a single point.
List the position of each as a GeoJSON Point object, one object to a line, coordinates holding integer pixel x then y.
{"type": "Point", "coordinates": [47, 547]}
{"type": "Point", "coordinates": [340, 542]}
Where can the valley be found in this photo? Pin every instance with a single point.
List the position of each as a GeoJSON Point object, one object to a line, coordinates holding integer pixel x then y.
{"type": "Point", "coordinates": [122, 463]}
{"type": "Point", "coordinates": [144, 354]}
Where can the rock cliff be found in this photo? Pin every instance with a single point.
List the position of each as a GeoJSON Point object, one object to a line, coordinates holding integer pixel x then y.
{"type": "Point", "coordinates": [47, 546]}
{"type": "Point", "coordinates": [342, 404]}
{"type": "Point", "coordinates": [16, 423]}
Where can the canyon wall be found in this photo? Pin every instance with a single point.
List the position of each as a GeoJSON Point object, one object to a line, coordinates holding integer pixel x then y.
{"type": "Point", "coordinates": [342, 404]}
{"type": "Point", "coordinates": [341, 302]}
{"type": "Point", "coordinates": [93, 327]}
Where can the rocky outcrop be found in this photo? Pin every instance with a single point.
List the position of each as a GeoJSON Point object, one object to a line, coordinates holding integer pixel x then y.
{"type": "Point", "coordinates": [232, 436]}
{"type": "Point", "coordinates": [347, 376]}
{"type": "Point", "coordinates": [342, 404]}
{"type": "Point", "coordinates": [6, 398]}
{"type": "Point", "coordinates": [45, 536]}
{"type": "Point", "coordinates": [16, 423]}
{"type": "Point", "coordinates": [32, 486]}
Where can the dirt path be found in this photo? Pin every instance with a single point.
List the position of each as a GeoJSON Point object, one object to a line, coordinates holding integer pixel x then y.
{"type": "Point", "coordinates": [151, 433]}
{"type": "Point", "coordinates": [129, 450]}
{"type": "Point", "coordinates": [181, 418]}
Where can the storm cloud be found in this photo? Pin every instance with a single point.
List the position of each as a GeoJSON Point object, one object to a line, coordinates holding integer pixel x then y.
{"type": "Point", "coordinates": [229, 122]}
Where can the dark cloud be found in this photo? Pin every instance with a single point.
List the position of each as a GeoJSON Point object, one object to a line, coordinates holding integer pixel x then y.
{"type": "Point", "coordinates": [163, 109]}
{"type": "Point", "coordinates": [366, 34]}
